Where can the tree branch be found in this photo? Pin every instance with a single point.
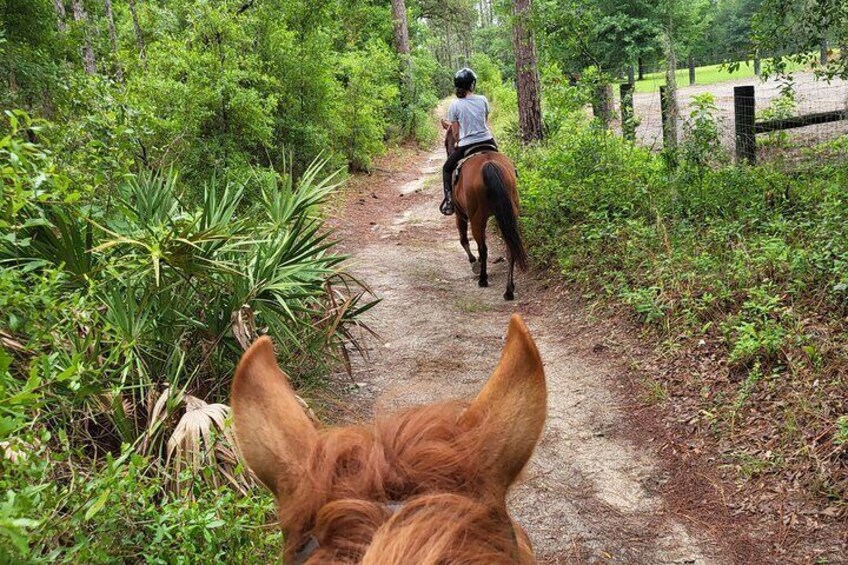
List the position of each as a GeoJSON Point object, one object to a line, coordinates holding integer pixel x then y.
{"type": "Point", "coordinates": [245, 7]}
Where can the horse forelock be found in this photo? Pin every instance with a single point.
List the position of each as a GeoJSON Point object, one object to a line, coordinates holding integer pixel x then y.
{"type": "Point", "coordinates": [423, 462]}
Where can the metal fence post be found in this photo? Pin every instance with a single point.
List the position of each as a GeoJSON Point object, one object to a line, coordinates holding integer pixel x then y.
{"type": "Point", "coordinates": [628, 126]}
{"type": "Point", "coordinates": [744, 113]}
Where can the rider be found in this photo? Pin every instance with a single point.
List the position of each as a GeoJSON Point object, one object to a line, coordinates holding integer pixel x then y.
{"type": "Point", "coordinates": [468, 116]}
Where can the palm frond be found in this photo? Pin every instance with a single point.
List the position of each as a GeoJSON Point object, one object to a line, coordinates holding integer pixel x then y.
{"type": "Point", "coordinates": [201, 438]}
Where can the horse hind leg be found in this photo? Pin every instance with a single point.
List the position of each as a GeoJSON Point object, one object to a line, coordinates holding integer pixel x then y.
{"type": "Point", "coordinates": [510, 284]}
{"type": "Point", "coordinates": [462, 226]}
{"type": "Point", "coordinates": [478, 230]}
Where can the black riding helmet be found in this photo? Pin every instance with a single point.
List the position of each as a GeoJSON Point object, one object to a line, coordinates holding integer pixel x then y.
{"type": "Point", "coordinates": [465, 79]}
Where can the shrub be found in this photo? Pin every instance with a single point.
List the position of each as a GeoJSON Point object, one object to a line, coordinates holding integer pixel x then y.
{"type": "Point", "coordinates": [751, 260]}
{"type": "Point", "coordinates": [121, 320]}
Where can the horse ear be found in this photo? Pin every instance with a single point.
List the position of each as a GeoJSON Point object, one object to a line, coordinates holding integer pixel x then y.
{"type": "Point", "coordinates": [445, 124]}
{"type": "Point", "coordinates": [511, 407]}
{"type": "Point", "coordinates": [272, 430]}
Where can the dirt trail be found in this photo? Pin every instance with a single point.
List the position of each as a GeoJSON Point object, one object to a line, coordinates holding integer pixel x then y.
{"type": "Point", "coordinates": [587, 494]}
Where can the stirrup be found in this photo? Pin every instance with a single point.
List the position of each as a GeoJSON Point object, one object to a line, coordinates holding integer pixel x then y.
{"type": "Point", "coordinates": [446, 207]}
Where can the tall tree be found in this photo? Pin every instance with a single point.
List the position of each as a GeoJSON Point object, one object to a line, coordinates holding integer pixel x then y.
{"type": "Point", "coordinates": [81, 17]}
{"type": "Point", "coordinates": [59, 8]}
{"type": "Point", "coordinates": [113, 37]}
{"type": "Point", "coordinates": [526, 73]}
{"type": "Point", "coordinates": [401, 33]}
{"type": "Point", "coordinates": [138, 35]}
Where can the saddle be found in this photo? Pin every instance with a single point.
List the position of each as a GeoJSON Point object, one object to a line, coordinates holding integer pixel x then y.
{"type": "Point", "coordinates": [475, 150]}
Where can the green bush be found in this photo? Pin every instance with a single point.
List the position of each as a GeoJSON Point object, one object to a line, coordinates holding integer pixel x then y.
{"type": "Point", "coordinates": [120, 314]}
{"type": "Point", "coordinates": [750, 258]}
{"type": "Point", "coordinates": [123, 512]}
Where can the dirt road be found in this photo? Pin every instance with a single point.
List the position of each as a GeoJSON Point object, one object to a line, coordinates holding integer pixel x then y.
{"type": "Point", "coordinates": [590, 494]}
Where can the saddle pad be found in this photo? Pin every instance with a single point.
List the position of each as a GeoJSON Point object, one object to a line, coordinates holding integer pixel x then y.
{"type": "Point", "coordinates": [474, 152]}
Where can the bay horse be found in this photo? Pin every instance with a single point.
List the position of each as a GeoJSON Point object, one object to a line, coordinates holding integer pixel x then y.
{"type": "Point", "coordinates": [427, 485]}
{"type": "Point", "coordinates": [487, 186]}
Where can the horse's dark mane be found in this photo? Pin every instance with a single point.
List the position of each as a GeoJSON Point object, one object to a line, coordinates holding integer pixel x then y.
{"type": "Point", "coordinates": [421, 458]}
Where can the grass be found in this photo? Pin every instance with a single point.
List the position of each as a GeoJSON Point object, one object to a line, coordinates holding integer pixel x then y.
{"type": "Point", "coordinates": [705, 75]}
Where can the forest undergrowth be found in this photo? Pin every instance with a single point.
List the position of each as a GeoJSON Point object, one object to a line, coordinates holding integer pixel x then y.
{"type": "Point", "coordinates": [739, 274]}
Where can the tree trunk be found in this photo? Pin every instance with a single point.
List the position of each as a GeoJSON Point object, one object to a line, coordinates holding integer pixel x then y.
{"type": "Point", "coordinates": [670, 93]}
{"type": "Point", "coordinates": [87, 52]}
{"type": "Point", "coordinates": [113, 38]}
{"type": "Point", "coordinates": [757, 63]}
{"type": "Point", "coordinates": [641, 65]}
{"type": "Point", "coordinates": [401, 27]}
{"type": "Point", "coordinates": [59, 8]}
{"type": "Point", "coordinates": [12, 81]}
{"type": "Point", "coordinates": [631, 74]}
{"type": "Point", "coordinates": [526, 74]}
{"type": "Point", "coordinates": [823, 51]}
{"type": "Point", "coordinates": [401, 31]}
{"type": "Point", "coordinates": [450, 48]}
{"type": "Point", "coordinates": [139, 38]}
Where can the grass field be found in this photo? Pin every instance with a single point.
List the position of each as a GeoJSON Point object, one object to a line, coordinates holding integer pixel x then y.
{"type": "Point", "coordinates": [708, 74]}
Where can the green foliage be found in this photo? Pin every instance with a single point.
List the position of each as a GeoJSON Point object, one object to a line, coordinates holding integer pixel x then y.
{"type": "Point", "coordinates": [108, 300]}
{"type": "Point", "coordinates": [841, 435]}
{"type": "Point", "coordinates": [122, 513]}
{"type": "Point", "coordinates": [366, 101]}
{"type": "Point", "coordinates": [125, 286]}
{"type": "Point", "coordinates": [28, 173]}
{"type": "Point", "coordinates": [701, 145]}
{"type": "Point", "coordinates": [781, 107]}
{"type": "Point", "coordinates": [793, 31]}
{"type": "Point", "coordinates": [219, 88]}
{"type": "Point", "coordinates": [751, 259]}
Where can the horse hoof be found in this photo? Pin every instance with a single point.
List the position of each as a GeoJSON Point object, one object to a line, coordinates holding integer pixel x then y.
{"type": "Point", "coordinates": [475, 268]}
{"type": "Point", "coordinates": [508, 295]}
{"type": "Point", "coordinates": [483, 283]}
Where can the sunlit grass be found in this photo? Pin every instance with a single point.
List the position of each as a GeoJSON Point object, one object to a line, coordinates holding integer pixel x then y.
{"type": "Point", "coordinates": [706, 75]}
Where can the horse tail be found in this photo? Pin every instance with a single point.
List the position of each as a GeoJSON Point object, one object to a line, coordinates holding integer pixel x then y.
{"type": "Point", "coordinates": [505, 213]}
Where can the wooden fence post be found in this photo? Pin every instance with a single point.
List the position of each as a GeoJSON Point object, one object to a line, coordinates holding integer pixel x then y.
{"type": "Point", "coordinates": [602, 104]}
{"type": "Point", "coordinates": [628, 126]}
{"type": "Point", "coordinates": [691, 70]}
{"type": "Point", "coordinates": [744, 113]}
{"type": "Point", "coordinates": [664, 114]}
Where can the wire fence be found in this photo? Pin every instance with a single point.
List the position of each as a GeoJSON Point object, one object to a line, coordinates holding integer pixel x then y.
{"type": "Point", "coordinates": [785, 120]}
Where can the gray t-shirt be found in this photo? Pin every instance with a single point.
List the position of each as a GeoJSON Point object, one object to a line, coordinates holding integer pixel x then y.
{"type": "Point", "coordinates": [471, 113]}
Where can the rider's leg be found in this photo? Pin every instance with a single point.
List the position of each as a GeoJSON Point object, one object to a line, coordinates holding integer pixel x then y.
{"type": "Point", "coordinates": [447, 179]}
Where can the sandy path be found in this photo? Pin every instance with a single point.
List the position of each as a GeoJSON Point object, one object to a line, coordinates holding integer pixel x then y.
{"type": "Point", "coordinates": [586, 495]}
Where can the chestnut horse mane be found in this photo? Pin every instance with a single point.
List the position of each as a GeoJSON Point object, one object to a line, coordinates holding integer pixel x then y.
{"type": "Point", "coordinates": [421, 463]}
{"type": "Point", "coordinates": [426, 485]}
